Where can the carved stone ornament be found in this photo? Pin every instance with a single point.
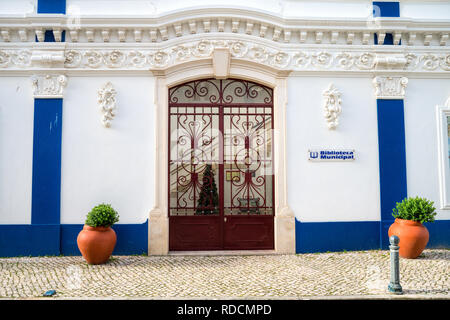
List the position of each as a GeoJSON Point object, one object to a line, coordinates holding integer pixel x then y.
{"type": "Point", "coordinates": [332, 106]}
{"type": "Point", "coordinates": [48, 86]}
{"type": "Point", "coordinates": [390, 87]}
{"type": "Point", "coordinates": [390, 61]}
{"type": "Point", "coordinates": [48, 58]}
{"type": "Point", "coordinates": [107, 102]}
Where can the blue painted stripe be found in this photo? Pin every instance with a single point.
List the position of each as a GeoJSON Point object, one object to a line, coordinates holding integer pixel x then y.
{"type": "Point", "coordinates": [131, 238]}
{"type": "Point", "coordinates": [46, 185]}
{"type": "Point", "coordinates": [51, 6]}
{"type": "Point", "coordinates": [358, 235]}
{"type": "Point", "coordinates": [39, 240]}
{"type": "Point", "coordinates": [29, 240]}
{"type": "Point", "coordinates": [439, 234]}
{"type": "Point", "coordinates": [36, 240]}
{"type": "Point", "coordinates": [386, 9]}
{"type": "Point", "coordinates": [336, 236]}
{"type": "Point", "coordinates": [392, 158]}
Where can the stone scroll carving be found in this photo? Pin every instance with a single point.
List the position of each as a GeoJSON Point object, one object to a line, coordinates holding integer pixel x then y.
{"type": "Point", "coordinates": [107, 102]}
{"type": "Point", "coordinates": [332, 106]}
{"type": "Point", "coordinates": [294, 58]}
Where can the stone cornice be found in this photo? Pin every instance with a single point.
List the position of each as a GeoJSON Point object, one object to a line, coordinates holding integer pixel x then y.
{"type": "Point", "coordinates": [289, 57]}
{"type": "Point", "coordinates": [219, 20]}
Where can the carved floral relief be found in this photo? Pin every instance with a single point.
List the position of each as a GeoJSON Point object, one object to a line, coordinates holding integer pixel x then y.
{"type": "Point", "coordinates": [107, 102]}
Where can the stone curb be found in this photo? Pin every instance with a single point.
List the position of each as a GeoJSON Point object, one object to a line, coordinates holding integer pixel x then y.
{"type": "Point", "coordinates": [304, 298]}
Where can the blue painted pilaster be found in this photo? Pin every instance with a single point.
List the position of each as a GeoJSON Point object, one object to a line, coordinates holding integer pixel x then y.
{"type": "Point", "coordinates": [46, 185]}
{"type": "Point", "coordinates": [391, 139]}
{"type": "Point", "coordinates": [392, 161]}
{"type": "Point", "coordinates": [386, 9]}
{"type": "Point", "coordinates": [51, 6]}
{"type": "Point", "coordinates": [46, 178]}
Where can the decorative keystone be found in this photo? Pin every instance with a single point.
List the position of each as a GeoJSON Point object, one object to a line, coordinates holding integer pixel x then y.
{"type": "Point", "coordinates": [221, 62]}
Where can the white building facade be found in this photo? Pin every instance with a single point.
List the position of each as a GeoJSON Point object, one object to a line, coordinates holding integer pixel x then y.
{"type": "Point", "coordinates": [314, 117]}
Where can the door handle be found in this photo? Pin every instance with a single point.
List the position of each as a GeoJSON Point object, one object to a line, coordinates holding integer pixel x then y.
{"type": "Point", "coordinates": [225, 219]}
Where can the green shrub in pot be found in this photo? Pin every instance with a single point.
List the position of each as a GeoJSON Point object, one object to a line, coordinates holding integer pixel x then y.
{"type": "Point", "coordinates": [415, 209]}
{"type": "Point", "coordinates": [102, 215]}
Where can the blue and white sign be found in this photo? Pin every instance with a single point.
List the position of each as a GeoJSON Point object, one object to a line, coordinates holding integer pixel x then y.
{"type": "Point", "coordinates": [331, 155]}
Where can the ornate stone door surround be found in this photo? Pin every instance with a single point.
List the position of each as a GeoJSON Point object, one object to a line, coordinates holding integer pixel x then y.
{"type": "Point", "coordinates": [219, 65]}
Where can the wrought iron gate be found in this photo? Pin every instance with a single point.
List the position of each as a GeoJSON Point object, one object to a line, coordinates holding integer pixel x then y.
{"type": "Point", "coordinates": [221, 179]}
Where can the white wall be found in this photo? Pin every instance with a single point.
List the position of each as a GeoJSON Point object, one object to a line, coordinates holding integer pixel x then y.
{"type": "Point", "coordinates": [332, 191]}
{"type": "Point", "coordinates": [332, 9]}
{"type": "Point", "coordinates": [422, 96]}
{"type": "Point", "coordinates": [18, 7]}
{"type": "Point", "coordinates": [112, 165]}
{"type": "Point", "coordinates": [286, 8]}
{"type": "Point", "coordinates": [16, 149]}
{"type": "Point", "coordinates": [420, 9]}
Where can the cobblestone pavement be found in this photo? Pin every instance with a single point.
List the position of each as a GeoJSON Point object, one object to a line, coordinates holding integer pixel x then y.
{"type": "Point", "coordinates": [364, 273]}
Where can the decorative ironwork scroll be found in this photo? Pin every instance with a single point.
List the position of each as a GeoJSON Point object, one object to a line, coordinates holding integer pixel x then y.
{"type": "Point", "coordinates": [221, 135]}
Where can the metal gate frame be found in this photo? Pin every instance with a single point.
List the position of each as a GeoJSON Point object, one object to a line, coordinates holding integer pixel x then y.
{"type": "Point", "coordinates": [220, 230]}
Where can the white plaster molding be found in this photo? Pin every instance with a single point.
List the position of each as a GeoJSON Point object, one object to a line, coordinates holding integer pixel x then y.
{"type": "Point", "coordinates": [6, 35]}
{"type": "Point", "coordinates": [442, 112]}
{"type": "Point", "coordinates": [387, 87]}
{"type": "Point", "coordinates": [107, 103]}
{"type": "Point", "coordinates": [48, 86]}
{"type": "Point", "coordinates": [412, 38]}
{"type": "Point", "coordinates": [332, 106]}
{"type": "Point", "coordinates": [159, 55]}
{"type": "Point", "coordinates": [301, 60]}
{"type": "Point", "coordinates": [444, 38]}
{"type": "Point", "coordinates": [289, 58]}
{"type": "Point", "coordinates": [224, 20]}
{"type": "Point", "coordinates": [39, 34]}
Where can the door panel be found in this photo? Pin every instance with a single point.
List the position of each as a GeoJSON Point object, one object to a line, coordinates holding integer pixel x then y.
{"type": "Point", "coordinates": [195, 233]}
{"type": "Point", "coordinates": [242, 233]}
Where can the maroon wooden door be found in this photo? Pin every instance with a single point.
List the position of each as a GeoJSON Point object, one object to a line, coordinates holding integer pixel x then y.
{"type": "Point", "coordinates": [221, 179]}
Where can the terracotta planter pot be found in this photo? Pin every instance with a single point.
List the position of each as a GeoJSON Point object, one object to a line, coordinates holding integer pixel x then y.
{"type": "Point", "coordinates": [96, 244]}
{"type": "Point", "coordinates": [413, 237]}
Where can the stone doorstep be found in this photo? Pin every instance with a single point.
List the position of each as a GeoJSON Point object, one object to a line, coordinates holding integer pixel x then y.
{"type": "Point", "coordinates": [224, 253]}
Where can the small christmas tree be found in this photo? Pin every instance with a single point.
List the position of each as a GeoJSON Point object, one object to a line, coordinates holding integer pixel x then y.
{"type": "Point", "coordinates": [208, 200]}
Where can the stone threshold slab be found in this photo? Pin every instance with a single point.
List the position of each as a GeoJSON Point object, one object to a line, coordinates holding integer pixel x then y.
{"type": "Point", "coordinates": [224, 253]}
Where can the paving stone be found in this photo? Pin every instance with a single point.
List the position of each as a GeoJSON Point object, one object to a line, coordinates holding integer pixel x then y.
{"type": "Point", "coordinates": [303, 275]}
